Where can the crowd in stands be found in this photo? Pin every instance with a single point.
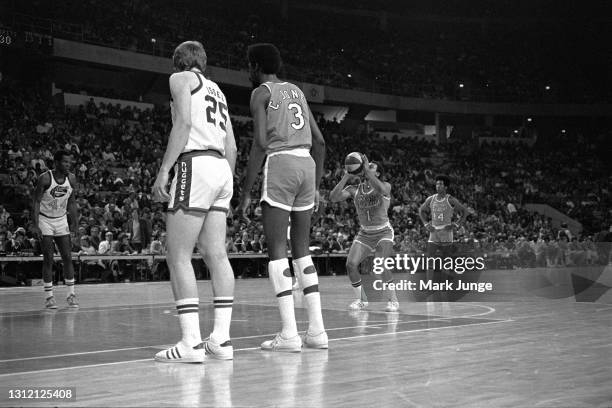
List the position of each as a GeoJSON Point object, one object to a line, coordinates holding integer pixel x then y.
{"type": "Point", "coordinates": [117, 152]}
{"type": "Point", "coordinates": [469, 60]}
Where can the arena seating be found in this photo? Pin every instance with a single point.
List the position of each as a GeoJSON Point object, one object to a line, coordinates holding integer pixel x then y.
{"type": "Point", "coordinates": [116, 173]}
{"type": "Point", "coordinates": [474, 59]}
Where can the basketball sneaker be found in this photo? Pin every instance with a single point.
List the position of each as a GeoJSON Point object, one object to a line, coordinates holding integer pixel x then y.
{"type": "Point", "coordinates": [392, 306]}
{"type": "Point", "coordinates": [358, 304]}
{"type": "Point", "coordinates": [181, 354]}
{"type": "Point", "coordinates": [224, 351]}
{"type": "Point", "coordinates": [279, 343]}
{"type": "Point", "coordinates": [318, 341]}
{"type": "Point", "coordinates": [72, 301]}
{"type": "Point", "coordinates": [50, 303]}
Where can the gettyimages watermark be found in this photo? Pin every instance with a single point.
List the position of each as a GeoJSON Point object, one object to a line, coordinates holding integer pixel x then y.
{"type": "Point", "coordinates": [412, 264]}
{"type": "Point", "coordinates": [462, 272]}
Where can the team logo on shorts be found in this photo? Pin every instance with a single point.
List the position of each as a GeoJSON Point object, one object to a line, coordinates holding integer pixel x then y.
{"type": "Point", "coordinates": [58, 191]}
{"type": "Point", "coordinates": [183, 181]}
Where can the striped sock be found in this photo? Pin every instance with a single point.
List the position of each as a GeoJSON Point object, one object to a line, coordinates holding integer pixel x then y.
{"type": "Point", "coordinates": [189, 320]}
{"type": "Point", "coordinates": [357, 289]}
{"type": "Point", "coordinates": [309, 281]}
{"type": "Point", "coordinates": [70, 284]}
{"type": "Point", "coordinates": [48, 289]}
{"type": "Point", "coordinates": [223, 317]}
{"type": "Point", "coordinates": [280, 275]}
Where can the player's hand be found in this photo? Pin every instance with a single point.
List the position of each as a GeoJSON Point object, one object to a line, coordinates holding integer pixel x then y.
{"type": "Point", "coordinates": [317, 199]}
{"type": "Point", "coordinates": [160, 194]}
{"type": "Point", "coordinates": [367, 169]}
{"type": "Point", "coordinates": [429, 227]}
{"type": "Point", "coordinates": [350, 178]}
{"type": "Point", "coordinates": [36, 231]}
{"type": "Point", "coordinates": [242, 209]}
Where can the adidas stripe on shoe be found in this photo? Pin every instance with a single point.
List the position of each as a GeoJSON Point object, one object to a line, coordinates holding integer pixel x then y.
{"type": "Point", "coordinates": [181, 354]}
{"type": "Point", "coordinates": [224, 351]}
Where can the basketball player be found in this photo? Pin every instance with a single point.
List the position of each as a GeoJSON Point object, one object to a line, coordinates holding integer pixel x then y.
{"type": "Point", "coordinates": [202, 150]}
{"type": "Point", "coordinates": [287, 133]}
{"type": "Point", "coordinates": [441, 207]}
{"type": "Point", "coordinates": [371, 197]}
{"type": "Point", "coordinates": [53, 201]}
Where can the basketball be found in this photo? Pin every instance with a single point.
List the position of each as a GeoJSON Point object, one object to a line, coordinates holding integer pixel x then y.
{"type": "Point", "coordinates": [353, 163]}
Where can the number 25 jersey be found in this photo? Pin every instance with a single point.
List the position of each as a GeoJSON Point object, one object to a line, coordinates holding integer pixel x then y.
{"type": "Point", "coordinates": [209, 117]}
{"type": "Point", "coordinates": [288, 119]}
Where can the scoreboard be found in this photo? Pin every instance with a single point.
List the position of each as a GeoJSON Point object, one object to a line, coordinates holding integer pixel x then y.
{"type": "Point", "coordinates": [24, 39]}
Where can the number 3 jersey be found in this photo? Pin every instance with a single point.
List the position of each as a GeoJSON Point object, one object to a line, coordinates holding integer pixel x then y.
{"type": "Point", "coordinates": [288, 118]}
{"type": "Point", "coordinates": [55, 198]}
{"type": "Point", "coordinates": [209, 117]}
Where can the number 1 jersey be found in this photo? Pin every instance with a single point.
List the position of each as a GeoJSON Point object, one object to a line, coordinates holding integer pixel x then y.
{"type": "Point", "coordinates": [288, 118]}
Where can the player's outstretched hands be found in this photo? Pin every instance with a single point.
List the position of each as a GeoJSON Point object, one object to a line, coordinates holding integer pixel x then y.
{"type": "Point", "coordinates": [160, 194]}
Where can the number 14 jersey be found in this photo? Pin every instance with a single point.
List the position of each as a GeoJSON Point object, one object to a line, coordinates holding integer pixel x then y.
{"type": "Point", "coordinates": [288, 118]}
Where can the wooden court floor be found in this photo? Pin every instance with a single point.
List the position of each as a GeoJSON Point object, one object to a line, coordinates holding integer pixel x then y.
{"type": "Point", "coordinates": [527, 353]}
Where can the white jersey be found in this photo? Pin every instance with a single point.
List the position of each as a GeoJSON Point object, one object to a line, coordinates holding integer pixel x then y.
{"type": "Point", "coordinates": [55, 198]}
{"type": "Point", "coordinates": [209, 117]}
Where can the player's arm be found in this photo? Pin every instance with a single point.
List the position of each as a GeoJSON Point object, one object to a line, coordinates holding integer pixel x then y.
{"type": "Point", "coordinates": [72, 206]}
{"type": "Point", "coordinates": [382, 187]}
{"type": "Point", "coordinates": [424, 209]}
{"type": "Point", "coordinates": [180, 90]}
{"type": "Point", "coordinates": [231, 151]}
{"type": "Point", "coordinates": [259, 101]}
{"type": "Point", "coordinates": [341, 192]}
{"type": "Point", "coordinates": [317, 151]}
{"type": "Point", "coordinates": [463, 212]}
{"type": "Point", "coordinates": [44, 181]}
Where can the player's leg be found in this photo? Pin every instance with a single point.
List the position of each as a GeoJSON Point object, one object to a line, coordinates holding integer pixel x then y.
{"type": "Point", "coordinates": [275, 222]}
{"type": "Point", "coordinates": [384, 250]}
{"type": "Point", "coordinates": [358, 252]}
{"type": "Point", "coordinates": [306, 274]}
{"type": "Point", "coordinates": [182, 230]}
{"type": "Point", "coordinates": [64, 247]}
{"type": "Point", "coordinates": [211, 243]}
{"type": "Point", "coordinates": [47, 248]}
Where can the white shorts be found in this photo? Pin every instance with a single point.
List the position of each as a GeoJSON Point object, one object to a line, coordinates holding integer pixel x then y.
{"type": "Point", "coordinates": [54, 227]}
{"type": "Point", "coordinates": [202, 182]}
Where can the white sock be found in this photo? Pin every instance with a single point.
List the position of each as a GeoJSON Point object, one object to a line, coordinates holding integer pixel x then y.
{"type": "Point", "coordinates": [223, 318]}
{"type": "Point", "coordinates": [70, 284]}
{"type": "Point", "coordinates": [309, 281]}
{"type": "Point", "coordinates": [391, 293]}
{"type": "Point", "coordinates": [48, 289]}
{"type": "Point", "coordinates": [189, 319]}
{"type": "Point", "coordinates": [280, 275]}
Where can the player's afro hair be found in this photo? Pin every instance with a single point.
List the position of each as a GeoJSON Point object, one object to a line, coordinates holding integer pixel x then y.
{"type": "Point", "coordinates": [188, 55]}
{"type": "Point", "coordinates": [60, 154]}
{"type": "Point", "coordinates": [267, 56]}
{"type": "Point", "coordinates": [444, 179]}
